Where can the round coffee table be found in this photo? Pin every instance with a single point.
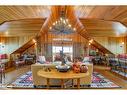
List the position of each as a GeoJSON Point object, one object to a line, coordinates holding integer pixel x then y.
{"type": "Point", "coordinates": [54, 74]}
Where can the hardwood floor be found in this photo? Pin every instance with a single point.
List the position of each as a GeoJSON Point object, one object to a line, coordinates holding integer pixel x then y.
{"type": "Point", "coordinates": [12, 75]}
{"type": "Point", "coordinates": [111, 76]}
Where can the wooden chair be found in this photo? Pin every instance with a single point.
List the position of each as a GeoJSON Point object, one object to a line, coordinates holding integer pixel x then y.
{"type": "Point", "coordinates": [114, 63]}
{"type": "Point", "coordinates": [19, 63]}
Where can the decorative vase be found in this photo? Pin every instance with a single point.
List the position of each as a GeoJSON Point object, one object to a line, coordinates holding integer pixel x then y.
{"type": "Point", "coordinates": [83, 68]}
{"type": "Point", "coordinates": [76, 67]}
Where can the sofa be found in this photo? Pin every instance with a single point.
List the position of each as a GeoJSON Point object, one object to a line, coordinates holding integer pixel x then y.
{"type": "Point", "coordinates": [38, 80]}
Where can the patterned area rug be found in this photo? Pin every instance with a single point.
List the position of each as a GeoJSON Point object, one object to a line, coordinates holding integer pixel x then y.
{"type": "Point", "coordinates": [25, 81]}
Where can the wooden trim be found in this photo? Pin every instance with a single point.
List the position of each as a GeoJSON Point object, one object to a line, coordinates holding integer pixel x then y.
{"type": "Point", "coordinates": [21, 20]}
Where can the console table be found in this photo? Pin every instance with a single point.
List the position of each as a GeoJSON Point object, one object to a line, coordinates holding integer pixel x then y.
{"type": "Point", "coordinates": [54, 74]}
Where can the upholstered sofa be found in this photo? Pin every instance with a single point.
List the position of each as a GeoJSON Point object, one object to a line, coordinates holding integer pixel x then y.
{"type": "Point", "coordinates": [37, 80]}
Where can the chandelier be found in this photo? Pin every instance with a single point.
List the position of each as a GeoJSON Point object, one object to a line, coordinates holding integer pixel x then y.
{"type": "Point", "coordinates": [62, 26]}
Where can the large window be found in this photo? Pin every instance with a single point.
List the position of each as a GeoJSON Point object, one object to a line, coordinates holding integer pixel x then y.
{"type": "Point", "coordinates": [67, 50]}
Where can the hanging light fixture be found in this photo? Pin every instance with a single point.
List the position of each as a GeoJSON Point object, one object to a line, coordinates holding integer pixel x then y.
{"type": "Point", "coordinates": [62, 26]}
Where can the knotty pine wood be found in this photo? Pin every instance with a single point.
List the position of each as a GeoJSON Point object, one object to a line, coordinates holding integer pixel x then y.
{"type": "Point", "coordinates": [97, 28]}
{"type": "Point", "coordinates": [13, 43]}
{"type": "Point", "coordinates": [113, 43]}
{"type": "Point", "coordinates": [8, 13]}
{"type": "Point", "coordinates": [21, 27]}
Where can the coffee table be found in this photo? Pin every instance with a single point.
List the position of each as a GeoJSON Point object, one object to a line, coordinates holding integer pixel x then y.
{"type": "Point", "coordinates": [54, 74]}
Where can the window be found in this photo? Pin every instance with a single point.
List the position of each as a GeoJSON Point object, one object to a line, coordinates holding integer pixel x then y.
{"type": "Point", "coordinates": [67, 50]}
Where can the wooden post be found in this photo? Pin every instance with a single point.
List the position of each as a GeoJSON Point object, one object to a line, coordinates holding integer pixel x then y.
{"type": "Point", "coordinates": [48, 83]}
{"type": "Point", "coordinates": [78, 83]}
{"type": "Point", "coordinates": [62, 83]}
{"type": "Point", "coordinates": [72, 83]}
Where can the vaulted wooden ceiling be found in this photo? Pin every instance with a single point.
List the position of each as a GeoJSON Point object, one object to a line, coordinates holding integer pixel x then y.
{"type": "Point", "coordinates": [104, 28]}
{"type": "Point", "coordinates": [97, 20]}
{"type": "Point", "coordinates": [8, 13]}
{"type": "Point", "coordinates": [21, 27]}
{"type": "Point", "coordinates": [113, 13]}
{"type": "Point", "coordinates": [89, 21]}
{"type": "Point", "coordinates": [22, 20]}
{"type": "Point", "coordinates": [112, 18]}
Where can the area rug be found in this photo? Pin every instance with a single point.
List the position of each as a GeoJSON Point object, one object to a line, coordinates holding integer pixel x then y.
{"type": "Point", "coordinates": [98, 81]}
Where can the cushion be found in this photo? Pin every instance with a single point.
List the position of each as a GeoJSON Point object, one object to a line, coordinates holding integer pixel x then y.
{"type": "Point", "coordinates": [41, 59]}
{"type": "Point", "coordinates": [87, 59]}
{"type": "Point", "coordinates": [3, 56]}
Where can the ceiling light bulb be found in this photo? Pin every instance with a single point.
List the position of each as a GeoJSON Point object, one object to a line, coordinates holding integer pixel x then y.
{"type": "Point", "coordinates": [56, 22]}
{"type": "Point", "coordinates": [74, 29]}
{"type": "Point", "coordinates": [122, 43]}
{"type": "Point", "coordinates": [66, 20]}
{"type": "Point", "coordinates": [89, 43]}
{"type": "Point", "coordinates": [53, 23]}
{"type": "Point", "coordinates": [69, 25]}
{"type": "Point", "coordinates": [61, 19]}
{"type": "Point", "coordinates": [50, 28]}
{"type": "Point", "coordinates": [34, 40]}
{"type": "Point", "coordinates": [6, 33]}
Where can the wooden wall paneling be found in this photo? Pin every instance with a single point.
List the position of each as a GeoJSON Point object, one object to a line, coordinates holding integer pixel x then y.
{"type": "Point", "coordinates": [126, 44]}
{"type": "Point", "coordinates": [113, 43]}
{"type": "Point", "coordinates": [13, 43]}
